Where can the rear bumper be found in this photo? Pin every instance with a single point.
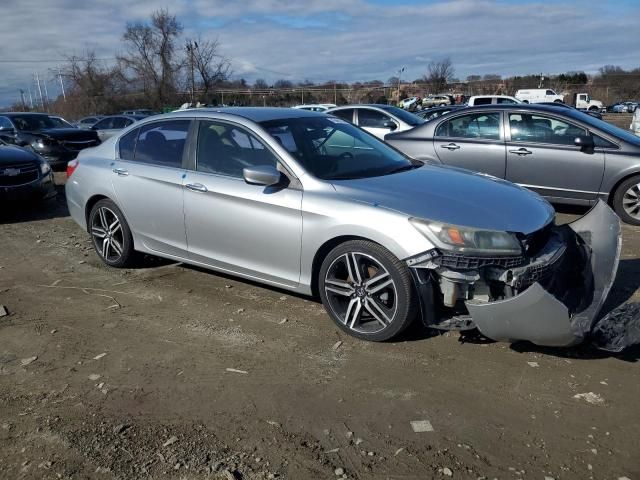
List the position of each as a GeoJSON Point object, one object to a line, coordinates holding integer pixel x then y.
{"type": "Point", "coordinates": [567, 286]}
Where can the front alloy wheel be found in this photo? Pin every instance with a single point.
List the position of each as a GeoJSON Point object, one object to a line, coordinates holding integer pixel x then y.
{"type": "Point", "coordinates": [367, 291]}
{"type": "Point", "coordinates": [626, 200]}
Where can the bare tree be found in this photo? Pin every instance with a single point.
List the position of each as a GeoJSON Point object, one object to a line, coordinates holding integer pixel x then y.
{"type": "Point", "coordinates": [150, 61]}
{"type": "Point", "coordinates": [260, 84]}
{"type": "Point", "coordinates": [439, 73]}
{"type": "Point", "coordinates": [210, 66]}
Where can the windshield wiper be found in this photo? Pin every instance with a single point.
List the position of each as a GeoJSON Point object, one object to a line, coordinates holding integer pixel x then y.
{"type": "Point", "coordinates": [404, 168]}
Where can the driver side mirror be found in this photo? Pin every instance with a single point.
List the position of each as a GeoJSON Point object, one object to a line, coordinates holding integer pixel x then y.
{"type": "Point", "coordinates": [266, 175]}
{"type": "Point", "coordinates": [585, 142]}
{"type": "Point", "coordinates": [390, 125]}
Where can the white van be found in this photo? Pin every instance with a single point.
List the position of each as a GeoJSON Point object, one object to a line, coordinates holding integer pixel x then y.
{"type": "Point", "coordinates": [539, 95]}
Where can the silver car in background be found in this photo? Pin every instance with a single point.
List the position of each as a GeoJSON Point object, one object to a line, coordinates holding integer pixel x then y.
{"type": "Point", "coordinates": [310, 203]}
{"type": "Point", "coordinates": [378, 120]}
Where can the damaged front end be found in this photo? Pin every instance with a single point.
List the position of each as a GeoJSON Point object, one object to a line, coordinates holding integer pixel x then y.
{"type": "Point", "coordinates": [550, 295]}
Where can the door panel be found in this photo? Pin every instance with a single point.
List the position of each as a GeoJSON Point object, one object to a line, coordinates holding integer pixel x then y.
{"type": "Point", "coordinates": [541, 156]}
{"type": "Point", "coordinates": [252, 230]}
{"type": "Point", "coordinates": [472, 141]}
{"type": "Point", "coordinates": [151, 198]}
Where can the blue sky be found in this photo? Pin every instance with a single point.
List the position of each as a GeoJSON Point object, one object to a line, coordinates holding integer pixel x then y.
{"type": "Point", "coordinates": [344, 40]}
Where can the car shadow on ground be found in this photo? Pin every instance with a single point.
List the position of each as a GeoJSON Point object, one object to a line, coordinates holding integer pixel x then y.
{"type": "Point", "coordinates": [28, 212]}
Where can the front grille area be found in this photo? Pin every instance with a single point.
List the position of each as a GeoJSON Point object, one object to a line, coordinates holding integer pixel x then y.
{"type": "Point", "coordinates": [18, 174]}
{"type": "Point", "coordinates": [458, 261]}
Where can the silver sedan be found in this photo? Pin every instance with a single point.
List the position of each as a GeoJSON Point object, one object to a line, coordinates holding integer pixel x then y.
{"type": "Point", "coordinates": [310, 203]}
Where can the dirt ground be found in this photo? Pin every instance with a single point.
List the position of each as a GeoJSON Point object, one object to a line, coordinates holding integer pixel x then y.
{"type": "Point", "coordinates": [168, 371]}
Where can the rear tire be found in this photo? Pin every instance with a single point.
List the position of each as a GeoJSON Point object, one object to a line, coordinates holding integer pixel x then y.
{"type": "Point", "coordinates": [626, 200]}
{"type": "Point", "coordinates": [110, 234]}
{"type": "Point", "coordinates": [367, 291]}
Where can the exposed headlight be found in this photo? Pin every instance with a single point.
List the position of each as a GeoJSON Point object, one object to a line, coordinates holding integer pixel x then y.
{"type": "Point", "coordinates": [42, 143]}
{"type": "Point", "coordinates": [468, 239]}
{"type": "Point", "coordinates": [45, 168]}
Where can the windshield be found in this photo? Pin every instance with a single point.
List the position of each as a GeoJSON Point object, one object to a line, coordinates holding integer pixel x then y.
{"type": "Point", "coordinates": [32, 123]}
{"type": "Point", "coordinates": [406, 117]}
{"type": "Point", "coordinates": [333, 149]}
{"type": "Point", "coordinates": [607, 127]}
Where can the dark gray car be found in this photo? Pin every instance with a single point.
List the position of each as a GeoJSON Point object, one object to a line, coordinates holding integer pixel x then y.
{"type": "Point", "coordinates": [563, 154]}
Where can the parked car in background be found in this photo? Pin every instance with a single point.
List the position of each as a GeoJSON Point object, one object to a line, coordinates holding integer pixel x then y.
{"type": "Point", "coordinates": [310, 203]}
{"type": "Point", "coordinates": [377, 119]}
{"type": "Point", "coordinates": [437, 101]}
{"type": "Point", "coordinates": [60, 122]}
{"type": "Point", "coordinates": [538, 95]}
{"type": "Point", "coordinates": [435, 112]}
{"type": "Point", "coordinates": [635, 122]}
{"type": "Point", "coordinates": [491, 100]}
{"type": "Point", "coordinates": [617, 107]}
{"type": "Point", "coordinates": [88, 122]}
{"type": "Point", "coordinates": [38, 132]}
{"type": "Point", "coordinates": [24, 176]}
{"type": "Point", "coordinates": [593, 113]}
{"type": "Point", "coordinates": [631, 106]}
{"type": "Point", "coordinates": [558, 152]}
{"type": "Point", "coordinates": [410, 103]}
{"type": "Point", "coordinates": [109, 126]}
{"type": "Point", "coordinates": [319, 107]}
{"type": "Point", "coordinates": [141, 112]}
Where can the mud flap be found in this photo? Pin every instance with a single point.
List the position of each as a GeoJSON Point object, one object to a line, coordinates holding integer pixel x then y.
{"type": "Point", "coordinates": [537, 315]}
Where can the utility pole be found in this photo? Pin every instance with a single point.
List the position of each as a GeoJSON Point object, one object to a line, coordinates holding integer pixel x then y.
{"type": "Point", "coordinates": [30, 97]}
{"type": "Point", "coordinates": [335, 94]}
{"type": "Point", "coordinates": [62, 85]}
{"type": "Point", "coordinates": [24, 104]}
{"type": "Point", "coordinates": [39, 90]}
{"type": "Point", "coordinates": [399, 76]}
{"type": "Point", "coordinates": [191, 47]}
{"type": "Point", "coordinates": [46, 96]}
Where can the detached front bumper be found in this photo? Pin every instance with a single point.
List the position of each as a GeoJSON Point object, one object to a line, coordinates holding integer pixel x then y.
{"type": "Point", "coordinates": [568, 284]}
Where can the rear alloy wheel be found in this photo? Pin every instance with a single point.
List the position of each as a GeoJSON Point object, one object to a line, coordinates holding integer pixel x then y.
{"type": "Point", "coordinates": [110, 234]}
{"type": "Point", "coordinates": [367, 291]}
{"type": "Point", "coordinates": [626, 200]}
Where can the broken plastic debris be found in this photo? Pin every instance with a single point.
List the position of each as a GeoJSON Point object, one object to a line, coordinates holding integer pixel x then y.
{"type": "Point", "coordinates": [235, 370]}
{"type": "Point", "coordinates": [533, 364]}
{"type": "Point", "coordinates": [98, 357]}
{"type": "Point", "coordinates": [618, 329]}
{"type": "Point", "coordinates": [27, 361]}
{"type": "Point", "coordinates": [335, 450]}
{"type": "Point", "coordinates": [590, 397]}
{"type": "Point", "coordinates": [398, 451]}
{"type": "Point", "coordinates": [336, 345]}
{"type": "Point", "coordinates": [420, 426]}
{"type": "Point", "coordinates": [171, 441]}
{"type": "Point", "coordinates": [94, 376]}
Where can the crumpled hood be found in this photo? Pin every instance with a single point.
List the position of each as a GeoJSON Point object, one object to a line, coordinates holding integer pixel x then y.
{"type": "Point", "coordinates": [454, 196]}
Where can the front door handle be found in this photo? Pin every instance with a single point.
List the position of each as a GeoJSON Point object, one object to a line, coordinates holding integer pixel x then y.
{"type": "Point", "coordinates": [451, 146]}
{"type": "Point", "coordinates": [196, 187]}
{"type": "Point", "coordinates": [121, 171]}
{"type": "Point", "coordinates": [521, 151]}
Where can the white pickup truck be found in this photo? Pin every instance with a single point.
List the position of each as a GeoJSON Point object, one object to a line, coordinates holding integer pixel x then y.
{"type": "Point", "coordinates": [582, 101]}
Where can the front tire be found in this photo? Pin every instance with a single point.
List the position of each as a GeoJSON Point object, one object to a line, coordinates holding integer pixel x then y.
{"type": "Point", "coordinates": [626, 200]}
{"type": "Point", "coordinates": [367, 291]}
{"type": "Point", "coordinates": [111, 235]}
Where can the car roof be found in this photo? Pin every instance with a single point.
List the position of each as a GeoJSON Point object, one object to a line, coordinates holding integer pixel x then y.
{"type": "Point", "coordinates": [35, 114]}
{"type": "Point", "coordinates": [255, 114]}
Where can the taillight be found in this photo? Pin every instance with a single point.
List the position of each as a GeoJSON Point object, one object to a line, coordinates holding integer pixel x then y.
{"type": "Point", "coordinates": [71, 167]}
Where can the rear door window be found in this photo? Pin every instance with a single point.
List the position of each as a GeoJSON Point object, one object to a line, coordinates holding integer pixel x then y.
{"type": "Point", "coordinates": [346, 114]}
{"type": "Point", "coordinates": [162, 143]}
{"type": "Point", "coordinates": [104, 124]}
{"type": "Point", "coordinates": [372, 118]}
{"type": "Point", "coordinates": [127, 145]}
{"type": "Point", "coordinates": [481, 126]}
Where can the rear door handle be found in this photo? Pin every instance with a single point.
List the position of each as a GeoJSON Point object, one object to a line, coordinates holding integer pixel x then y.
{"type": "Point", "coordinates": [196, 187]}
{"type": "Point", "coordinates": [451, 146]}
{"type": "Point", "coordinates": [521, 151]}
{"type": "Point", "coordinates": [121, 171]}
